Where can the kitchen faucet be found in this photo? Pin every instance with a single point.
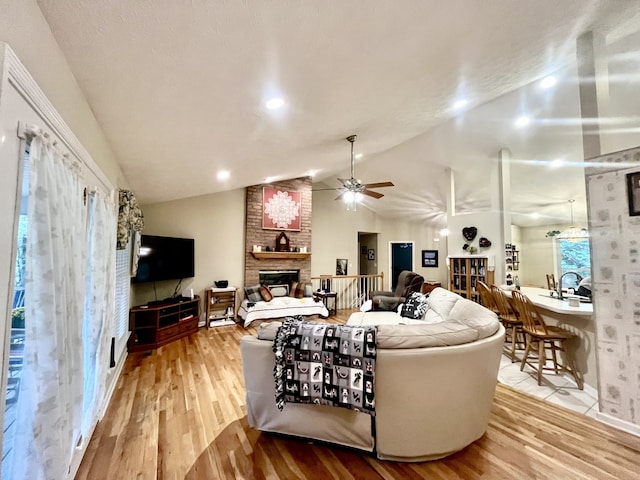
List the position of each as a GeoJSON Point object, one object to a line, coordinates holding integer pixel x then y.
{"type": "Point", "coordinates": [578, 278]}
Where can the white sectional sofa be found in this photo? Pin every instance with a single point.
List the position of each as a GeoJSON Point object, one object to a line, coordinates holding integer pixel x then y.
{"type": "Point", "coordinates": [434, 386]}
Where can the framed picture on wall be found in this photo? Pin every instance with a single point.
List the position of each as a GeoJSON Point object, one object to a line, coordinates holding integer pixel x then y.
{"type": "Point", "coordinates": [633, 193]}
{"type": "Point", "coordinates": [341, 266]}
{"type": "Point", "coordinates": [280, 209]}
{"type": "Point", "coordinates": [371, 254]}
{"type": "Point", "coordinates": [363, 250]}
{"type": "Point", "coordinates": [429, 258]}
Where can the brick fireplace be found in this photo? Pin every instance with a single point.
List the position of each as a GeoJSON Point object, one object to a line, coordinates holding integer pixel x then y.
{"type": "Point", "coordinates": [256, 235]}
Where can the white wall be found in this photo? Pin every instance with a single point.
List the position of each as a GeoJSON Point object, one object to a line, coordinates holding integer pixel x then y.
{"type": "Point", "coordinates": [335, 235]}
{"type": "Point", "coordinates": [489, 225]}
{"type": "Point", "coordinates": [537, 254]}
{"type": "Point", "coordinates": [24, 29]}
{"type": "Point", "coordinates": [216, 223]}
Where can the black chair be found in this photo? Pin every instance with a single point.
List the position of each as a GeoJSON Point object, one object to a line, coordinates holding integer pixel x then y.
{"type": "Point", "coordinates": [408, 282]}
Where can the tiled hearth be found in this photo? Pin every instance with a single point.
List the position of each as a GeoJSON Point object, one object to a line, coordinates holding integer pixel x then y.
{"type": "Point", "coordinates": [256, 235]}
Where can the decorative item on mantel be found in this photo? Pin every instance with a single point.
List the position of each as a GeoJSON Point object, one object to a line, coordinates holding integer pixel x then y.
{"type": "Point", "coordinates": [282, 243]}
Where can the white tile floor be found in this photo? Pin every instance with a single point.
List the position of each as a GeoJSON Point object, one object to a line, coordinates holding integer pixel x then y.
{"type": "Point", "coordinates": [558, 389]}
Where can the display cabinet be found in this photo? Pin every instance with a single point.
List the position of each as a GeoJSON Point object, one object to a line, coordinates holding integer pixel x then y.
{"type": "Point", "coordinates": [464, 274]}
{"type": "Point", "coordinates": [157, 324]}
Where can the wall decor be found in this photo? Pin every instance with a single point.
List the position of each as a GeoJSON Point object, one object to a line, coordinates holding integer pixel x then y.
{"type": "Point", "coordinates": [371, 254]}
{"type": "Point", "coordinates": [633, 193]}
{"type": "Point", "coordinates": [429, 258]}
{"type": "Point", "coordinates": [469, 233]}
{"type": "Point", "coordinates": [341, 266]}
{"type": "Point", "coordinates": [484, 242]}
{"type": "Point", "coordinates": [363, 250]}
{"type": "Point", "coordinates": [280, 209]}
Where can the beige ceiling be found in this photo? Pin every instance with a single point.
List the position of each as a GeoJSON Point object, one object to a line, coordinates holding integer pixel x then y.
{"type": "Point", "coordinates": [179, 89]}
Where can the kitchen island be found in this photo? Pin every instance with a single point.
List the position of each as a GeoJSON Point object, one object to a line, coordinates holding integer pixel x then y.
{"type": "Point", "coordinates": [578, 320]}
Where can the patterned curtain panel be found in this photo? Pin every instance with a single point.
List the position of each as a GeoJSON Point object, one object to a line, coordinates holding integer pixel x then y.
{"type": "Point", "coordinates": [49, 410]}
{"type": "Point", "coordinates": [98, 305]}
{"type": "Point", "coordinates": [129, 218]}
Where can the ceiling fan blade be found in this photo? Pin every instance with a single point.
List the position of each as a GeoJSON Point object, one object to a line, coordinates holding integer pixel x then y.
{"type": "Point", "coordinates": [379, 185]}
{"type": "Point", "coordinates": [339, 197]}
{"type": "Point", "coordinates": [373, 194]}
{"type": "Point", "coordinates": [324, 189]}
{"type": "Point", "coordinates": [343, 180]}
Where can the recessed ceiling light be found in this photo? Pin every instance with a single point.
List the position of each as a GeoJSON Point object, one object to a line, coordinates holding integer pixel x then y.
{"type": "Point", "coordinates": [275, 103]}
{"type": "Point", "coordinates": [311, 173]}
{"type": "Point", "coordinates": [556, 163]}
{"type": "Point", "coordinates": [523, 121]}
{"type": "Point", "coordinates": [535, 215]}
{"type": "Point", "coordinates": [444, 232]}
{"type": "Point", "coordinates": [269, 179]}
{"type": "Point", "coordinates": [548, 82]}
{"type": "Point", "coordinates": [223, 175]}
{"type": "Point", "coordinates": [358, 155]}
{"type": "Point", "coordinates": [460, 104]}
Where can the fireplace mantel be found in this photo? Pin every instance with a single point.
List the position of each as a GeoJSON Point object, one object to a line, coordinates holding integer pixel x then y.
{"type": "Point", "coordinates": [281, 255]}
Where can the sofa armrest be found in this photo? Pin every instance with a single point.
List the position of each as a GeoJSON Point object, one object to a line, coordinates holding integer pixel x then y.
{"type": "Point", "coordinates": [381, 293]}
{"type": "Point", "coordinates": [386, 303]}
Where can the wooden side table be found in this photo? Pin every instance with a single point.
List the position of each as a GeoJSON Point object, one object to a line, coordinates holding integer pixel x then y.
{"type": "Point", "coordinates": [220, 304]}
{"type": "Point", "coordinates": [325, 296]}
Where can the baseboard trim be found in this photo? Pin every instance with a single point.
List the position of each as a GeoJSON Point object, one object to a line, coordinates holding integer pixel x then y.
{"type": "Point", "coordinates": [623, 425]}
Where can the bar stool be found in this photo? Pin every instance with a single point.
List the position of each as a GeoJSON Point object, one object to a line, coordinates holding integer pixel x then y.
{"type": "Point", "coordinates": [486, 297]}
{"type": "Point", "coordinates": [511, 321]}
{"type": "Point", "coordinates": [544, 337]}
{"type": "Point", "coordinates": [551, 281]}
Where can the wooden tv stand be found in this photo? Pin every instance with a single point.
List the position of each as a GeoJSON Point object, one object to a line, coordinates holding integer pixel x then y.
{"type": "Point", "coordinates": [160, 323]}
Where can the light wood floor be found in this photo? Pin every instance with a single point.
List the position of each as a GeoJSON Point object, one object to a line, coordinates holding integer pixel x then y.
{"type": "Point", "coordinates": [179, 412]}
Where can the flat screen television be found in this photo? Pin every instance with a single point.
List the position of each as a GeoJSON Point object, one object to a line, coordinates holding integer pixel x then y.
{"type": "Point", "coordinates": [165, 258]}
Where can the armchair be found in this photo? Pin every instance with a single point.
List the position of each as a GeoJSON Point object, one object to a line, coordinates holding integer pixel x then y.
{"type": "Point", "coordinates": [408, 282]}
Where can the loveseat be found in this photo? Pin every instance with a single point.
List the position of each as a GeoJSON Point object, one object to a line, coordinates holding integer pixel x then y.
{"type": "Point", "coordinates": [435, 379]}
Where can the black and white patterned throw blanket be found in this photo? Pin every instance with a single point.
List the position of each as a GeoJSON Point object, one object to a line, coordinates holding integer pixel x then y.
{"type": "Point", "coordinates": [325, 364]}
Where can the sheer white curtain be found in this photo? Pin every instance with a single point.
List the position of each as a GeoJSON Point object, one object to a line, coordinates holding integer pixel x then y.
{"type": "Point", "coordinates": [99, 304]}
{"type": "Point", "coordinates": [49, 411]}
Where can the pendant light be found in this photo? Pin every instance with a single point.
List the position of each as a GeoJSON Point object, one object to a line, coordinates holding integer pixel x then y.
{"type": "Point", "coordinates": [572, 231]}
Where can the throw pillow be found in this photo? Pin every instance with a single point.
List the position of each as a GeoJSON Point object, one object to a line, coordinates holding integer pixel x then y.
{"type": "Point", "coordinates": [308, 290]}
{"type": "Point", "coordinates": [265, 293]}
{"type": "Point", "coordinates": [253, 293]}
{"type": "Point", "coordinates": [279, 290]}
{"type": "Point", "coordinates": [415, 306]}
{"type": "Point", "coordinates": [297, 290]}
{"type": "Point", "coordinates": [292, 290]}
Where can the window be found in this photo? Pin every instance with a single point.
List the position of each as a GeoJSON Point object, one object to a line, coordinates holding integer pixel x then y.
{"type": "Point", "coordinates": [574, 256]}
{"type": "Point", "coordinates": [121, 310]}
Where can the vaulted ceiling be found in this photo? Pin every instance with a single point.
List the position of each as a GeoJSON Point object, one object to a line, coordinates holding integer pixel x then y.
{"type": "Point", "coordinates": [180, 88]}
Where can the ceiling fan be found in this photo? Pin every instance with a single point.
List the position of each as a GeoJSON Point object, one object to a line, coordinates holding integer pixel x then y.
{"type": "Point", "coordinates": [353, 187]}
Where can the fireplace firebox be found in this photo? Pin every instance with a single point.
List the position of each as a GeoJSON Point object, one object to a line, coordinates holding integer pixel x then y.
{"type": "Point", "coordinates": [279, 277]}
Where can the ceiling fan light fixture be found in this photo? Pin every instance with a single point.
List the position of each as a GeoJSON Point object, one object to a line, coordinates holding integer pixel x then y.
{"type": "Point", "coordinates": [353, 190]}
